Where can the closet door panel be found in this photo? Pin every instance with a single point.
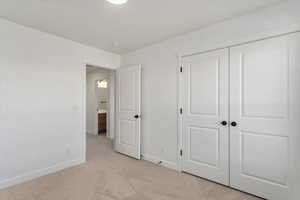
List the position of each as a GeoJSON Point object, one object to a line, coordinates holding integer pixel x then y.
{"type": "Point", "coordinates": [205, 106]}
{"type": "Point", "coordinates": [260, 105]}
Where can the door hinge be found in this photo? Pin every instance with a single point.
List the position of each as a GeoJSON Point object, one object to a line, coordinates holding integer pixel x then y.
{"type": "Point", "coordinates": [181, 70]}
{"type": "Point", "coordinates": [180, 152]}
{"type": "Point", "coordinates": [181, 111]}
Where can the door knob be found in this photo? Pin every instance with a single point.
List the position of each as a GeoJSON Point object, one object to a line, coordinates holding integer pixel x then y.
{"type": "Point", "coordinates": [224, 123]}
{"type": "Point", "coordinates": [136, 116]}
{"type": "Point", "coordinates": [233, 124]}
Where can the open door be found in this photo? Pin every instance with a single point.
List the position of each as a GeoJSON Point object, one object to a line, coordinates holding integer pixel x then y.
{"type": "Point", "coordinates": [128, 111]}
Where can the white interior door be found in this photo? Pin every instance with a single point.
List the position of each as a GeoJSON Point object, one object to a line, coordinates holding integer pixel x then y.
{"type": "Point", "coordinates": [263, 89]}
{"type": "Point", "coordinates": [205, 105]}
{"type": "Point", "coordinates": [128, 111]}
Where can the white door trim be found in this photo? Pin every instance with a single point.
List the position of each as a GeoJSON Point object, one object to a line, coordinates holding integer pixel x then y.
{"type": "Point", "coordinates": [112, 119]}
{"type": "Point", "coordinates": [240, 41]}
{"type": "Point", "coordinates": [179, 116]}
{"type": "Point", "coordinates": [84, 113]}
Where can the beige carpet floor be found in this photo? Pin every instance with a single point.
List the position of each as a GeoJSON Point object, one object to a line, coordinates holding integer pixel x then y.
{"type": "Point", "coordinates": [111, 176]}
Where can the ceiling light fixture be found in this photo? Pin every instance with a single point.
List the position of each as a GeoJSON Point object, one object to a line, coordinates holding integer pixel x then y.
{"type": "Point", "coordinates": [102, 84]}
{"type": "Point", "coordinates": [117, 2]}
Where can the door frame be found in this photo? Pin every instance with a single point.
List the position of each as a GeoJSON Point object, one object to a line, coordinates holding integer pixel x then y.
{"type": "Point", "coordinates": [112, 120]}
{"type": "Point", "coordinates": [179, 116]}
{"type": "Point", "coordinates": [179, 81]}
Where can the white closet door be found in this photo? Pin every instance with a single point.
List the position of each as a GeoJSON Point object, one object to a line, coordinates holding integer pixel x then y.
{"type": "Point", "coordinates": [261, 96]}
{"type": "Point", "coordinates": [205, 106]}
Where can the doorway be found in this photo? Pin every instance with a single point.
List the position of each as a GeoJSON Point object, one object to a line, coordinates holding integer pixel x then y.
{"type": "Point", "coordinates": [100, 101]}
{"type": "Point", "coordinates": [114, 114]}
{"type": "Point", "coordinates": [101, 96]}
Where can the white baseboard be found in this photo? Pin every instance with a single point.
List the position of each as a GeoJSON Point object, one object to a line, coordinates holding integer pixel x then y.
{"type": "Point", "coordinates": [39, 173]}
{"type": "Point", "coordinates": [160, 162]}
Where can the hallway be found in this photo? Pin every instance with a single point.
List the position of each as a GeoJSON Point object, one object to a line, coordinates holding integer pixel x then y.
{"type": "Point", "coordinates": [111, 176]}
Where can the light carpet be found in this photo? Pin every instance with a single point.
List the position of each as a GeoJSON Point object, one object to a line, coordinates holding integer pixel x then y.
{"type": "Point", "coordinates": [111, 176]}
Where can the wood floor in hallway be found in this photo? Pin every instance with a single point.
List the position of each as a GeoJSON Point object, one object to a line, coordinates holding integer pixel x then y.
{"type": "Point", "coordinates": [111, 176]}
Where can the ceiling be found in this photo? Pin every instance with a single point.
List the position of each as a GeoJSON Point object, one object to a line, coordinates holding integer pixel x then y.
{"type": "Point", "coordinates": [121, 29]}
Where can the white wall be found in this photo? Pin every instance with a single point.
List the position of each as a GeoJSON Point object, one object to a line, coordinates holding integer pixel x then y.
{"type": "Point", "coordinates": [42, 93]}
{"type": "Point", "coordinates": [160, 63]}
{"type": "Point", "coordinates": [42, 81]}
{"type": "Point", "coordinates": [91, 98]}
